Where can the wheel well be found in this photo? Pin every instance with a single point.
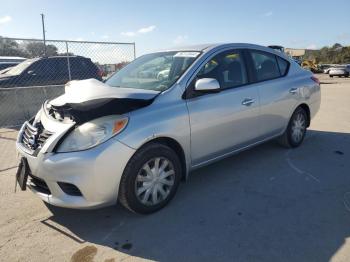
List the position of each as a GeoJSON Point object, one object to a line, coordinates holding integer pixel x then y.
{"type": "Point", "coordinates": [174, 145]}
{"type": "Point", "coordinates": [307, 110]}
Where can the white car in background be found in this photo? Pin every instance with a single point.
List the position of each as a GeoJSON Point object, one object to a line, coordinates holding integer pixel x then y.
{"type": "Point", "coordinates": [342, 70]}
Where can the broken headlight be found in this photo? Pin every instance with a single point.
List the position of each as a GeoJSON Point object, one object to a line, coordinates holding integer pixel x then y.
{"type": "Point", "coordinates": [93, 133]}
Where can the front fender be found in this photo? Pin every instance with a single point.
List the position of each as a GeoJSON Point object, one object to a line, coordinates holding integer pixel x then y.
{"type": "Point", "coordinates": [159, 121]}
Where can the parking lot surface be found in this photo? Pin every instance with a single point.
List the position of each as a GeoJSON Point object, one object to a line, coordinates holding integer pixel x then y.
{"type": "Point", "coordinates": [265, 204]}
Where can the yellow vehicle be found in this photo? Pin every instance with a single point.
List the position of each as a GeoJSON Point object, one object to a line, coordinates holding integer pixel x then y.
{"type": "Point", "coordinates": [311, 65]}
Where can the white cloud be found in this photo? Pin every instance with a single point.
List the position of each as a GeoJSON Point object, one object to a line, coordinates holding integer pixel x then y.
{"type": "Point", "coordinates": [5, 19]}
{"type": "Point", "coordinates": [78, 39]}
{"type": "Point", "coordinates": [105, 36]}
{"type": "Point", "coordinates": [312, 46]}
{"type": "Point", "coordinates": [148, 29]}
{"type": "Point", "coordinates": [143, 30]}
{"type": "Point", "coordinates": [180, 39]}
{"type": "Point", "coordinates": [267, 14]}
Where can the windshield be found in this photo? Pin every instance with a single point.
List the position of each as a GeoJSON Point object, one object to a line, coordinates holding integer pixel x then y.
{"type": "Point", "coordinates": [157, 71]}
{"type": "Point", "coordinates": [18, 69]}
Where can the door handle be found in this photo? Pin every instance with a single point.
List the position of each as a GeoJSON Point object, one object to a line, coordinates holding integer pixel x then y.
{"type": "Point", "coordinates": [248, 101]}
{"type": "Point", "coordinates": [293, 90]}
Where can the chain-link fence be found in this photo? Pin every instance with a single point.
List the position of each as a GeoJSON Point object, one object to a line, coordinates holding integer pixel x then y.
{"type": "Point", "coordinates": [31, 71]}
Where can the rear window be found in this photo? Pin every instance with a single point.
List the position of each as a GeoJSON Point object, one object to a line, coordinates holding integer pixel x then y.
{"type": "Point", "coordinates": [265, 65]}
{"type": "Point", "coordinates": [268, 66]}
{"type": "Point", "coordinates": [283, 65]}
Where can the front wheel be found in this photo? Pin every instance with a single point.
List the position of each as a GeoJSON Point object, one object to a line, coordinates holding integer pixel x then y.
{"type": "Point", "coordinates": [150, 179]}
{"type": "Point", "coordinates": [296, 130]}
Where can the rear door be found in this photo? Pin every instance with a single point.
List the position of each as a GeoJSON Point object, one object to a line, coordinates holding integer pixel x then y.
{"type": "Point", "coordinates": [224, 121]}
{"type": "Point", "coordinates": [62, 75]}
{"type": "Point", "coordinates": [82, 68]}
{"type": "Point", "coordinates": [278, 93]}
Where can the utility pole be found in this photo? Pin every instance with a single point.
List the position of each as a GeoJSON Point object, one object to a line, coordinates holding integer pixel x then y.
{"type": "Point", "coordinates": [43, 25]}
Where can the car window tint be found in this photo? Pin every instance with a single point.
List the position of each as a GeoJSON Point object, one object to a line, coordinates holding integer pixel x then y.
{"type": "Point", "coordinates": [62, 67]}
{"type": "Point", "coordinates": [283, 65]}
{"type": "Point", "coordinates": [75, 65]}
{"type": "Point", "coordinates": [228, 68]}
{"type": "Point", "coordinates": [45, 67]}
{"type": "Point", "coordinates": [265, 65]}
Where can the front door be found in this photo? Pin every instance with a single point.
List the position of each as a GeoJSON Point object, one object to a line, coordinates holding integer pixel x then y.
{"type": "Point", "coordinates": [228, 120]}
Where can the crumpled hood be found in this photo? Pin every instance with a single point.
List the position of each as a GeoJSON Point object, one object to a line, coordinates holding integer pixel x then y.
{"type": "Point", "coordinates": [80, 91]}
{"type": "Point", "coordinates": [90, 99]}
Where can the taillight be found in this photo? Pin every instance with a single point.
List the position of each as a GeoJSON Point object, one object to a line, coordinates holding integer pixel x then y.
{"type": "Point", "coordinates": [315, 79]}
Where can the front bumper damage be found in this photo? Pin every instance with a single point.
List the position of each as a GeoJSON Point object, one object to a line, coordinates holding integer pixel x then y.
{"type": "Point", "coordinates": [82, 179]}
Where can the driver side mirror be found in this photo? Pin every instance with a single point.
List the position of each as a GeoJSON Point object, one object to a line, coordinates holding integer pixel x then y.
{"type": "Point", "coordinates": [207, 85]}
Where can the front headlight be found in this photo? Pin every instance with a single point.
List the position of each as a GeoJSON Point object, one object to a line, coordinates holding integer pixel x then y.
{"type": "Point", "coordinates": [93, 133]}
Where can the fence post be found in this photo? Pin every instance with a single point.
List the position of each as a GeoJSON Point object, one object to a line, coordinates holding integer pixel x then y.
{"type": "Point", "coordinates": [67, 52]}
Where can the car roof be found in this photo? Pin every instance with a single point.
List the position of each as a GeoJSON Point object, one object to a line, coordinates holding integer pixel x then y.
{"type": "Point", "coordinates": [208, 47]}
{"type": "Point", "coordinates": [64, 56]}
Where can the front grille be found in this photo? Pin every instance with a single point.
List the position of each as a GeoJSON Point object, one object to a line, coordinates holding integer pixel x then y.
{"type": "Point", "coordinates": [34, 136]}
{"type": "Point", "coordinates": [69, 189]}
{"type": "Point", "coordinates": [39, 185]}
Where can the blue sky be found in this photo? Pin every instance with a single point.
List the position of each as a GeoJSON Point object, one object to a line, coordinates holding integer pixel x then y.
{"type": "Point", "coordinates": [160, 24]}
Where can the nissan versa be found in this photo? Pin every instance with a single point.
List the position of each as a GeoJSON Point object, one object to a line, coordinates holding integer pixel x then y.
{"type": "Point", "coordinates": [134, 137]}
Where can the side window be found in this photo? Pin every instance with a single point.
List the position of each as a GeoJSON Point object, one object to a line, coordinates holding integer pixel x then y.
{"type": "Point", "coordinates": [283, 65]}
{"type": "Point", "coordinates": [228, 68]}
{"type": "Point", "coordinates": [75, 66]}
{"type": "Point", "coordinates": [62, 67]}
{"type": "Point", "coordinates": [45, 67]}
{"type": "Point", "coordinates": [265, 65]}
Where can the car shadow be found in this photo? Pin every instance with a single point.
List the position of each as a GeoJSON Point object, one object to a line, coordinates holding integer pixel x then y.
{"type": "Point", "coordinates": [264, 204]}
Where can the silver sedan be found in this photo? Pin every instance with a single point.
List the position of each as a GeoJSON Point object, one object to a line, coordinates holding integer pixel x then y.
{"type": "Point", "coordinates": [339, 71]}
{"type": "Point", "coordinates": [133, 139]}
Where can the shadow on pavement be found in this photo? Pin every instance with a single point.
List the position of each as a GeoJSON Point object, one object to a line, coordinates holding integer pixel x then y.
{"type": "Point", "coordinates": [260, 205]}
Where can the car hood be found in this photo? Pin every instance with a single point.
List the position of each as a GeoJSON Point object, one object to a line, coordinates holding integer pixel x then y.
{"type": "Point", "coordinates": [91, 89]}
{"type": "Point", "coordinates": [89, 99]}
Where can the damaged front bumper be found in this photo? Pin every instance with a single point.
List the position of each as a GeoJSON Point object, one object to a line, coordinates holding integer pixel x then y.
{"type": "Point", "coordinates": [83, 179]}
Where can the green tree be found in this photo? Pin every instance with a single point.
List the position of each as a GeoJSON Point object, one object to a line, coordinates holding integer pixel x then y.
{"type": "Point", "coordinates": [36, 49]}
{"type": "Point", "coordinates": [9, 47]}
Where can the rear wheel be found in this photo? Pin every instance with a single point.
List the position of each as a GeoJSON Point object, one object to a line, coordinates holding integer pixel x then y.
{"type": "Point", "coordinates": [150, 179]}
{"type": "Point", "coordinates": [295, 132]}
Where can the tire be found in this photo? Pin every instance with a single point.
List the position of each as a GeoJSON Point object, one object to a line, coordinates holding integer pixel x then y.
{"type": "Point", "coordinates": [135, 179]}
{"type": "Point", "coordinates": [290, 138]}
{"type": "Point", "coordinates": [330, 76]}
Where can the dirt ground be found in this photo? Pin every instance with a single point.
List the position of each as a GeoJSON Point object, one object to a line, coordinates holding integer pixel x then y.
{"type": "Point", "coordinates": [265, 204]}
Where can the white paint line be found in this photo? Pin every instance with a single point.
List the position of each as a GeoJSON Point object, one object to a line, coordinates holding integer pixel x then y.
{"type": "Point", "coordinates": [298, 170]}
{"type": "Point", "coordinates": [112, 231]}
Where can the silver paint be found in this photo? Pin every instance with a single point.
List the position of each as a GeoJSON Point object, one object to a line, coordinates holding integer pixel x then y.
{"type": "Point", "coordinates": [207, 128]}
